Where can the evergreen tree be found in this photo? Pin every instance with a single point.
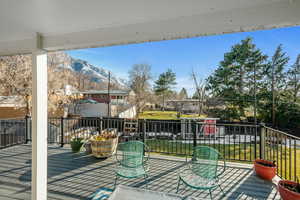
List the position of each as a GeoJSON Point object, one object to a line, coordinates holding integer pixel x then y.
{"type": "Point", "coordinates": [164, 84]}
{"type": "Point", "coordinates": [276, 77]}
{"type": "Point", "coordinates": [294, 79]}
{"type": "Point", "coordinates": [233, 79]}
{"type": "Point", "coordinates": [183, 94]}
{"type": "Point", "coordinates": [195, 95]}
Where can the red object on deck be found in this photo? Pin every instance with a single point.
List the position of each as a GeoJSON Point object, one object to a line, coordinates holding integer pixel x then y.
{"type": "Point", "coordinates": [264, 172]}
{"type": "Point", "coordinates": [285, 193]}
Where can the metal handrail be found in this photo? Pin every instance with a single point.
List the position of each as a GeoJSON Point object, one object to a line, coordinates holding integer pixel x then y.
{"type": "Point", "coordinates": [281, 132]}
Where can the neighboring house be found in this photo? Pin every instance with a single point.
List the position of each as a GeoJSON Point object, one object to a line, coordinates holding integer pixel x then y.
{"type": "Point", "coordinates": [94, 103]}
{"type": "Point", "coordinates": [104, 96]}
{"type": "Point", "coordinates": [12, 107]}
{"type": "Point", "coordinates": [149, 106]}
{"type": "Point", "coordinates": [91, 108]}
{"type": "Point", "coordinates": [187, 105]}
{"type": "Point", "coordinates": [192, 105]}
{"type": "Point", "coordinates": [127, 112]}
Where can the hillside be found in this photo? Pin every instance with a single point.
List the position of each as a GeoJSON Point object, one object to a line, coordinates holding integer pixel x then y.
{"type": "Point", "coordinates": [95, 74]}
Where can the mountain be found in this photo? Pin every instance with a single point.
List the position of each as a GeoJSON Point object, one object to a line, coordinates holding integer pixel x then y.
{"type": "Point", "coordinates": [97, 74]}
{"type": "Point", "coordinates": [94, 73]}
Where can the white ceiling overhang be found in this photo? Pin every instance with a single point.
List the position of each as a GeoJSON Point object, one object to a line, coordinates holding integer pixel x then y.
{"type": "Point", "coordinates": [73, 24]}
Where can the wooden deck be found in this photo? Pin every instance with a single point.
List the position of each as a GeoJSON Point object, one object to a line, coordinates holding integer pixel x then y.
{"type": "Point", "coordinates": [77, 176]}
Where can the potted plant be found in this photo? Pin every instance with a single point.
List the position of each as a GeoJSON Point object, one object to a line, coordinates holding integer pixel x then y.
{"type": "Point", "coordinates": [265, 169]}
{"type": "Point", "coordinates": [105, 144]}
{"type": "Point", "coordinates": [76, 144]}
{"type": "Point", "coordinates": [289, 190]}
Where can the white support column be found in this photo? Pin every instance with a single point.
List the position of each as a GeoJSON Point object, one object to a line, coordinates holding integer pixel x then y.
{"type": "Point", "coordinates": [39, 124]}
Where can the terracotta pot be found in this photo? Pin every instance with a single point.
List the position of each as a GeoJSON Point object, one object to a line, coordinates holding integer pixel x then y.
{"type": "Point", "coordinates": [264, 172]}
{"type": "Point", "coordinates": [285, 193]}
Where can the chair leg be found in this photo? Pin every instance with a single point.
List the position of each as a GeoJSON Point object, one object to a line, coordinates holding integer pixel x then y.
{"type": "Point", "coordinates": [146, 180]}
{"type": "Point", "coordinates": [179, 180]}
{"type": "Point", "coordinates": [210, 194]}
{"type": "Point", "coordinates": [116, 181]}
{"type": "Point", "coordinates": [221, 189]}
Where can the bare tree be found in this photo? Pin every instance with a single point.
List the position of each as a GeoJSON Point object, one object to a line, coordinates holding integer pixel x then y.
{"type": "Point", "coordinates": [200, 87]}
{"type": "Point", "coordinates": [139, 77]}
{"type": "Point", "coordinates": [15, 78]}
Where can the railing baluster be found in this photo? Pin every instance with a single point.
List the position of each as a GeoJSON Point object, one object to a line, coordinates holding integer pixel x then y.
{"type": "Point", "coordinates": [255, 142]}
{"type": "Point", "coordinates": [62, 131]}
{"type": "Point", "coordinates": [281, 165]}
{"type": "Point", "coordinates": [290, 158]}
{"type": "Point", "coordinates": [295, 160]}
{"type": "Point", "coordinates": [285, 156]}
{"type": "Point", "coordinates": [277, 154]}
{"type": "Point", "coordinates": [174, 137]}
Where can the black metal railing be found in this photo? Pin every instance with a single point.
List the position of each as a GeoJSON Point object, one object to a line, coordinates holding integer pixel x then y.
{"type": "Point", "coordinates": [284, 149]}
{"type": "Point", "coordinates": [12, 132]}
{"type": "Point", "coordinates": [234, 141]}
{"type": "Point", "coordinates": [237, 142]}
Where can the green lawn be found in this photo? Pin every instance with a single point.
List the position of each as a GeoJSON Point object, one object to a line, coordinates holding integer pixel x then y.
{"type": "Point", "coordinates": [242, 153]}
{"type": "Point", "coordinates": [290, 158]}
{"type": "Point", "coordinates": [166, 115]}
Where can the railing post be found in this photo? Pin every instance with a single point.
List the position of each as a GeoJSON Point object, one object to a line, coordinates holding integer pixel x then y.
{"type": "Point", "coordinates": [183, 128]}
{"type": "Point", "coordinates": [100, 124]}
{"type": "Point", "coordinates": [194, 134]}
{"type": "Point", "coordinates": [144, 130]}
{"type": "Point", "coordinates": [26, 129]}
{"type": "Point", "coordinates": [255, 142]}
{"type": "Point", "coordinates": [144, 133]}
{"type": "Point", "coordinates": [262, 142]}
{"type": "Point", "coordinates": [62, 131]}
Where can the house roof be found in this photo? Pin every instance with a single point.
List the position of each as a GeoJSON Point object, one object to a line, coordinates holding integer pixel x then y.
{"type": "Point", "coordinates": [73, 24]}
{"type": "Point", "coordinates": [183, 100]}
{"type": "Point", "coordinates": [11, 101]}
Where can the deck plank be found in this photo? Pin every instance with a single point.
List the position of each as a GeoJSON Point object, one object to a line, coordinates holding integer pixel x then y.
{"type": "Point", "coordinates": [77, 176]}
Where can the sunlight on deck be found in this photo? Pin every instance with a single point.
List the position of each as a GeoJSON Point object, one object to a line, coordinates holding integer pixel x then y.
{"type": "Point", "coordinates": [77, 176]}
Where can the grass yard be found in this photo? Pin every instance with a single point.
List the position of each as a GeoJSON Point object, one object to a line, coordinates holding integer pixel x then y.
{"type": "Point", "coordinates": [238, 153]}
{"type": "Point", "coordinates": [166, 115]}
{"type": "Point", "coordinates": [290, 158]}
{"type": "Point", "coordinates": [243, 152]}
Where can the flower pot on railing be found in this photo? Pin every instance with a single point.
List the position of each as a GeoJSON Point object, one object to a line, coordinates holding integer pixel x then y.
{"type": "Point", "coordinates": [289, 190]}
{"type": "Point", "coordinates": [265, 169]}
{"type": "Point", "coordinates": [105, 144]}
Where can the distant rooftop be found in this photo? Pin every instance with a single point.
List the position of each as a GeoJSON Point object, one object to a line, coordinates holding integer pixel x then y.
{"type": "Point", "coordinates": [183, 100]}
{"type": "Point", "coordinates": [115, 92]}
{"type": "Point", "coordinates": [11, 101]}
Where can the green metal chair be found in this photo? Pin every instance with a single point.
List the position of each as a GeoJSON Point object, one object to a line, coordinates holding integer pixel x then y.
{"type": "Point", "coordinates": [203, 170]}
{"type": "Point", "coordinates": [132, 162]}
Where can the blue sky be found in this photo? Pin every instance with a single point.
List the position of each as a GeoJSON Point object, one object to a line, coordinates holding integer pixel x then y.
{"type": "Point", "coordinates": [201, 54]}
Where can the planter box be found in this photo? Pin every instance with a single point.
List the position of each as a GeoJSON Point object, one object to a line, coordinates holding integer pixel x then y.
{"type": "Point", "coordinates": [264, 172]}
{"type": "Point", "coordinates": [104, 149]}
{"type": "Point", "coordinates": [285, 193]}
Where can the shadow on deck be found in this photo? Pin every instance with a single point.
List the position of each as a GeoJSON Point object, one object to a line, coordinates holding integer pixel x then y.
{"type": "Point", "coordinates": [77, 176]}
